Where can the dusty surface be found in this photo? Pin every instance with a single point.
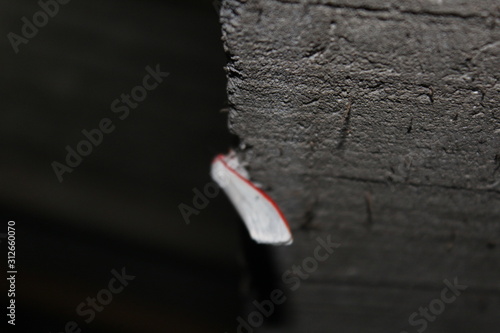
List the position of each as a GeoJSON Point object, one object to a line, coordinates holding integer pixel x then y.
{"type": "Point", "coordinates": [376, 122]}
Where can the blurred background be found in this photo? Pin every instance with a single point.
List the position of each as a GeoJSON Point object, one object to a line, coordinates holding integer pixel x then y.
{"type": "Point", "coordinates": [119, 207]}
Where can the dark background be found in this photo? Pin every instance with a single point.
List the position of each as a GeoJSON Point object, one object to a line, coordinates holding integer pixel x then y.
{"type": "Point", "coordinates": [119, 207]}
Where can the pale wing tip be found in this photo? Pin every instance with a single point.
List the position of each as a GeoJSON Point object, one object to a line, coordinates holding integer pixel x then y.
{"type": "Point", "coordinates": [286, 243]}
{"type": "Point", "coordinates": [277, 242]}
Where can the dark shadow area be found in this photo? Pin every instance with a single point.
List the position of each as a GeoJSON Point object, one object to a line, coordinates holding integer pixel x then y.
{"type": "Point", "coordinates": [115, 206]}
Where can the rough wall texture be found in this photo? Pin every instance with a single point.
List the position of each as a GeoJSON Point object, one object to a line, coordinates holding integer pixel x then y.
{"type": "Point", "coordinates": [376, 122]}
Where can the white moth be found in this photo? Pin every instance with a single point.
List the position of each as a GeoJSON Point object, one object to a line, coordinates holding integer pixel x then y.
{"type": "Point", "coordinates": [263, 218]}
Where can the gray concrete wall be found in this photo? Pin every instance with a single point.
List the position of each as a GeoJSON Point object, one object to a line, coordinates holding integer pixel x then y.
{"type": "Point", "coordinates": [376, 122]}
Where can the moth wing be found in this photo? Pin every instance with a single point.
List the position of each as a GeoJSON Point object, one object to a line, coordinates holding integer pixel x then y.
{"type": "Point", "coordinates": [262, 217]}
